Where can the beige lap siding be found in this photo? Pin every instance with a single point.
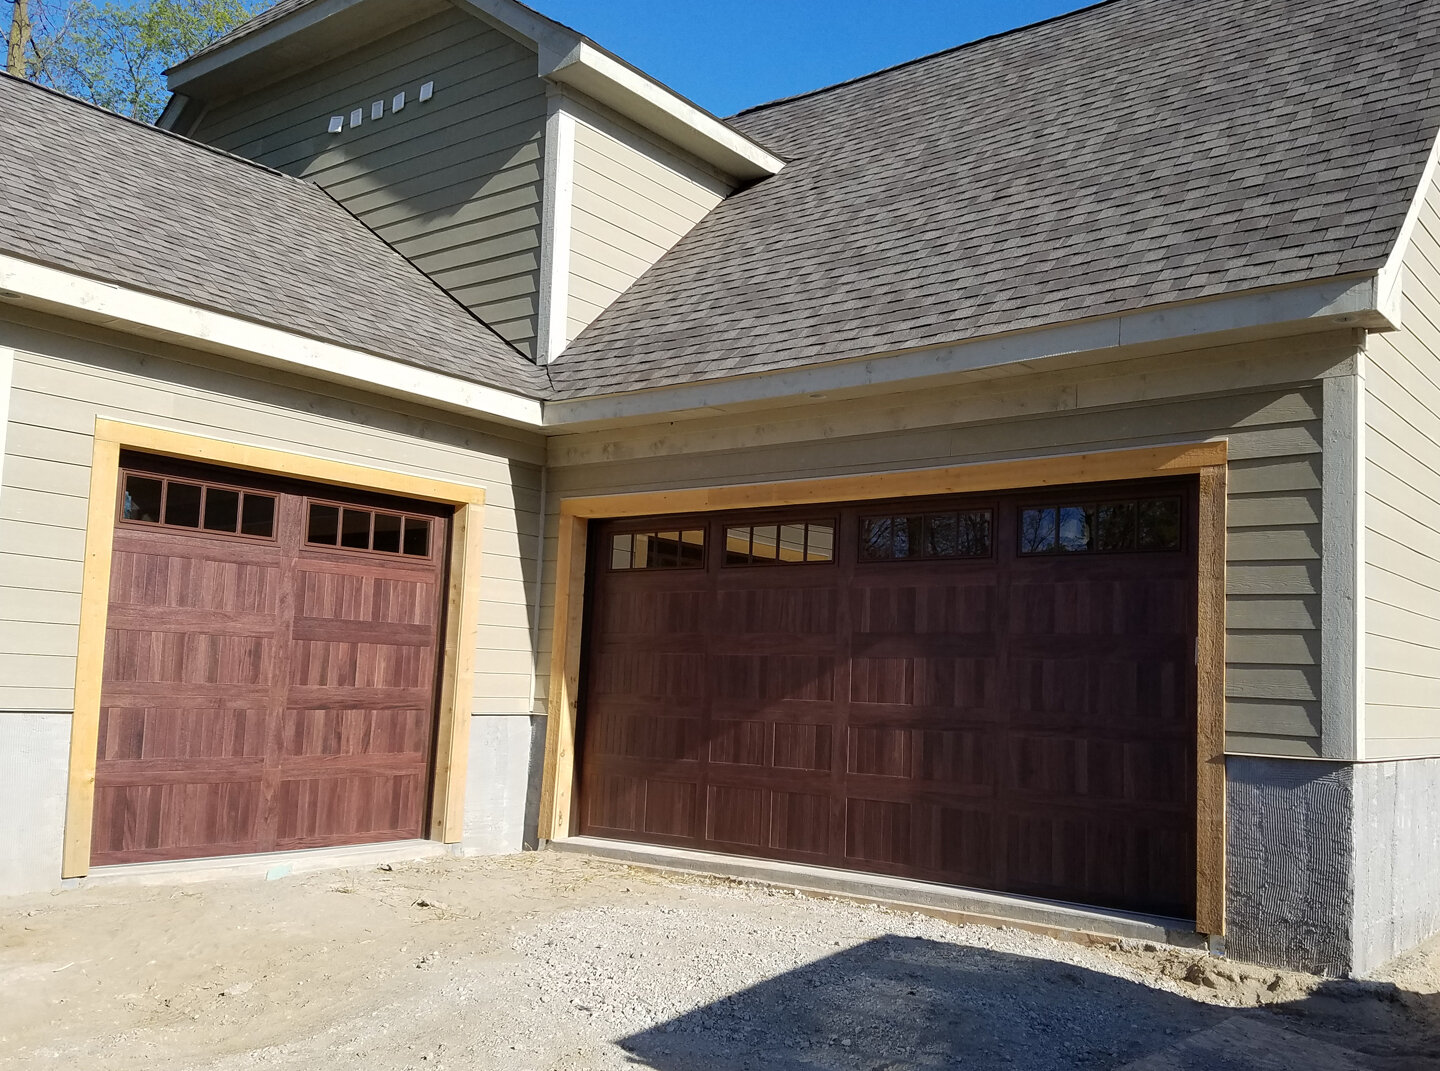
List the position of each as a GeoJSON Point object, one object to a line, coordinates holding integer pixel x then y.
{"type": "Point", "coordinates": [453, 183]}
{"type": "Point", "coordinates": [1402, 513]}
{"type": "Point", "coordinates": [1264, 399]}
{"type": "Point", "coordinates": [633, 200]}
{"type": "Point", "coordinates": [62, 383]}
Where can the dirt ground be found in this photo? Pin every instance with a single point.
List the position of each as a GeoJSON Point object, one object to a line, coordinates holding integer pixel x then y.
{"type": "Point", "coordinates": [550, 961]}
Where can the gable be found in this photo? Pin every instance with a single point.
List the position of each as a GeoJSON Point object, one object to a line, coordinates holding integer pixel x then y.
{"type": "Point", "coordinates": [454, 183]}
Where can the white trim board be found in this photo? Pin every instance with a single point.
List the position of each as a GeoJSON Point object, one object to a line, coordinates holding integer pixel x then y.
{"type": "Point", "coordinates": [556, 227]}
{"type": "Point", "coordinates": [7, 375]}
{"type": "Point", "coordinates": [1342, 595]}
{"type": "Point", "coordinates": [1391, 280]}
{"type": "Point", "coordinates": [108, 304]}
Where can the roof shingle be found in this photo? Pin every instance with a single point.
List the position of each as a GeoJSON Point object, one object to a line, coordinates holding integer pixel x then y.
{"type": "Point", "coordinates": [1136, 153]}
{"type": "Point", "coordinates": [89, 191]}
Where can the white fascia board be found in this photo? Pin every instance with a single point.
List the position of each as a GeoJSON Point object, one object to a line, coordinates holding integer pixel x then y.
{"type": "Point", "coordinates": [188, 71]}
{"type": "Point", "coordinates": [1391, 280]}
{"type": "Point", "coordinates": [1348, 302]}
{"type": "Point", "coordinates": [601, 76]}
{"type": "Point", "coordinates": [134, 311]}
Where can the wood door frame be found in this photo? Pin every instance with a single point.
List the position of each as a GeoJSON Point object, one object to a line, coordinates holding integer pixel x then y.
{"type": "Point", "coordinates": [462, 606]}
{"type": "Point", "coordinates": [1208, 460]}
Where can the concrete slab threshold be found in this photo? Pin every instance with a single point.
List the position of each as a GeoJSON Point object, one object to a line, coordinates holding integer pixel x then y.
{"type": "Point", "coordinates": [1069, 922]}
{"type": "Point", "coordinates": [272, 865]}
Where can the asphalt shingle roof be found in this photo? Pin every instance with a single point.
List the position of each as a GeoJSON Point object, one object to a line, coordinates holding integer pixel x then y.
{"type": "Point", "coordinates": [1134, 154]}
{"type": "Point", "coordinates": [89, 191]}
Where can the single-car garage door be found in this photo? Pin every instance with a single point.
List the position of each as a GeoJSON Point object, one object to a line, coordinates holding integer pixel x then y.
{"type": "Point", "coordinates": [270, 666]}
{"type": "Point", "coordinates": [990, 691]}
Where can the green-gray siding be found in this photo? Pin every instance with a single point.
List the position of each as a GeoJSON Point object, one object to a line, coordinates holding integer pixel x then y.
{"type": "Point", "coordinates": [1402, 512]}
{"type": "Point", "coordinates": [454, 184]}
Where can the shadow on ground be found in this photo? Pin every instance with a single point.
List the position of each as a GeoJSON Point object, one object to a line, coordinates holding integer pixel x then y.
{"type": "Point", "coordinates": [904, 1004]}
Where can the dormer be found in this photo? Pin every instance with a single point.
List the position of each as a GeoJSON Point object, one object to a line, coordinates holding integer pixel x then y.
{"type": "Point", "coordinates": [530, 173]}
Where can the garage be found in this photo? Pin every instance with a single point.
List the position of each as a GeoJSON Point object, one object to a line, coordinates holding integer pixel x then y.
{"type": "Point", "coordinates": [271, 659]}
{"type": "Point", "coordinates": [992, 691]}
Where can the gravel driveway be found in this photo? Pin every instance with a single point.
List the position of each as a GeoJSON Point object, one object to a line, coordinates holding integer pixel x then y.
{"type": "Point", "coordinates": [554, 961]}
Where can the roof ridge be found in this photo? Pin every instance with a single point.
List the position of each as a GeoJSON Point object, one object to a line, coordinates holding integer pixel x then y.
{"type": "Point", "coordinates": [780, 101]}
{"type": "Point", "coordinates": [92, 106]}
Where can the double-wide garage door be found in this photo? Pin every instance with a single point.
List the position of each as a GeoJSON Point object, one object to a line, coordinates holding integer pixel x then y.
{"type": "Point", "coordinates": [990, 691]}
{"type": "Point", "coordinates": [270, 666]}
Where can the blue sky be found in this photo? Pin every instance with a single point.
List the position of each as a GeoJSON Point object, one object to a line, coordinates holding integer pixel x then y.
{"type": "Point", "coordinates": [728, 56]}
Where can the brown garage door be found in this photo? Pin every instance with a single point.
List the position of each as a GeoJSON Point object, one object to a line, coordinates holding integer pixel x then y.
{"type": "Point", "coordinates": [996, 692]}
{"type": "Point", "coordinates": [270, 666]}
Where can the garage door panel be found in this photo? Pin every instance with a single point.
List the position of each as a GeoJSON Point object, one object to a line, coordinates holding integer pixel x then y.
{"type": "Point", "coordinates": [1021, 719]}
{"type": "Point", "coordinates": [174, 820]}
{"type": "Point", "coordinates": [259, 693]}
{"type": "Point", "coordinates": [212, 731]}
{"type": "Point", "coordinates": [187, 658]}
{"type": "Point", "coordinates": [800, 823]}
{"type": "Point", "coordinates": [879, 607]}
{"type": "Point", "coordinates": [350, 732]}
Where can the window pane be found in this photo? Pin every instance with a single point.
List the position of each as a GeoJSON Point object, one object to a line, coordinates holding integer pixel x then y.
{"type": "Point", "coordinates": [1159, 524]}
{"type": "Point", "coordinates": [665, 550]}
{"type": "Point", "coordinates": [819, 542]}
{"type": "Point", "coordinates": [1037, 531]}
{"type": "Point", "coordinates": [257, 516]}
{"type": "Point", "coordinates": [417, 537]}
{"type": "Point", "coordinates": [942, 535]}
{"type": "Point", "coordinates": [222, 509]}
{"type": "Point", "coordinates": [622, 551]}
{"type": "Point", "coordinates": [765, 543]}
{"type": "Point", "coordinates": [1115, 526]}
{"type": "Point", "coordinates": [182, 505]}
{"type": "Point", "coordinates": [692, 548]}
{"type": "Point", "coordinates": [973, 534]}
{"type": "Point", "coordinates": [324, 525]}
{"type": "Point", "coordinates": [642, 550]}
{"type": "Point", "coordinates": [387, 533]}
{"type": "Point", "coordinates": [142, 499]}
{"type": "Point", "coordinates": [909, 537]}
{"type": "Point", "coordinates": [876, 534]}
{"type": "Point", "coordinates": [737, 546]}
{"type": "Point", "coordinates": [355, 529]}
{"type": "Point", "coordinates": [1074, 528]}
{"type": "Point", "coordinates": [792, 542]}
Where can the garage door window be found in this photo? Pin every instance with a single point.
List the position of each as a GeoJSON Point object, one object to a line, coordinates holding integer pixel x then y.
{"type": "Point", "coordinates": [948, 535]}
{"type": "Point", "coordinates": [369, 530]}
{"type": "Point", "coordinates": [802, 543]}
{"type": "Point", "coordinates": [658, 550]}
{"type": "Point", "coordinates": [1150, 524]}
{"type": "Point", "coordinates": [182, 504]}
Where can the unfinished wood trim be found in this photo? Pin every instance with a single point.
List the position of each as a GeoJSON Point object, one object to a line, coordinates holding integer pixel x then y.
{"type": "Point", "coordinates": [1208, 460]}
{"type": "Point", "coordinates": [1210, 782]}
{"type": "Point", "coordinates": [461, 630]}
{"type": "Point", "coordinates": [1138, 464]}
{"type": "Point", "coordinates": [557, 787]}
{"type": "Point", "coordinates": [284, 463]}
{"type": "Point", "coordinates": [462, 622]}
{"type": "Point", "coordinates": [90, 657]}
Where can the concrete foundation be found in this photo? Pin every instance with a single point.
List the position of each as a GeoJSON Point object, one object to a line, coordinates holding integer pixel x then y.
{"type": "Point", "coordinates": [1290, 897]}
{"type": "Point", "coordinates": [34, 780]}
{"type": "Point", "coordinates": [1396, 829]}
{"type": "Point", "coordinates": [498, 785]}
{"type": "Point", "coordinates": [1333, 868]}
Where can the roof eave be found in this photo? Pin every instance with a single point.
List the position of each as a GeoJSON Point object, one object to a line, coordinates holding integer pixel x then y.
{"type": "Point", "coordinates": [46, 288]}
{"type": "Point", "coordinates": [1352, 301]}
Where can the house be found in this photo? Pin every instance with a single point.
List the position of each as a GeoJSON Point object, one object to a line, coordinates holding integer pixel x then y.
{"type": "Point", "coordinates": [1013, 471]}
